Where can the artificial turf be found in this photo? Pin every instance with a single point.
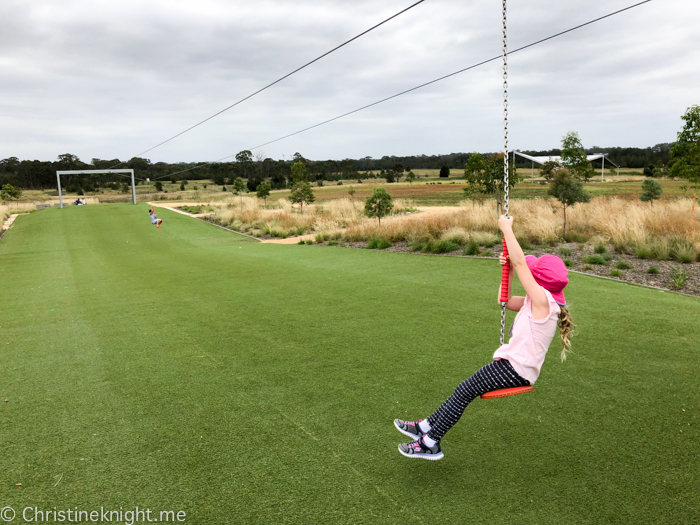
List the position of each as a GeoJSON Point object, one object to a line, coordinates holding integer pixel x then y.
{"type": "Point", "coordinates": [189, 368]}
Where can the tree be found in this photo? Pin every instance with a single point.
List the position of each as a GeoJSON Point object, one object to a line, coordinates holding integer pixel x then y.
{"type": "Point", "coordinates": [444, 172]}
{"type": "Point", "coordinates": [352, 192]}
{"type": "Point", "coordinates": [238, 188]}
{"type": "Point", "coordinates": [379, 204]}
{"type": "Point", "coordinates": [567, 190]}
{"type": "Point", "coordinates": [263, 191]}
{"type": "Point", "coordinates": [302, 194]}
{"type": "Point", "coordinates": [10, 193]}
{"type": "Point", "coordinates": [245, 159]}
{"type": "Point", "coordinates": [685, 153]}
{"type": "Point", "coordinates": [649, 170]}
{"type": "Point", "coordinates": [299, 173]}
{"type": "Point", "coordinates": [159, 186]}
{"type": "Point", "coordinates": [574, 158]}
{"type": "Point", "coordinates": [651, 191]}
{"type": "Point", "coordinates": [549, 169]}
{"type": "Point", "coordinates": [389, 176]}
{"type": "Point", "coordinates": [410, 177]}
{"type": "Point", "coordinates": [485, 176]}
{"type": "Point", "coordinates": [397, 172]}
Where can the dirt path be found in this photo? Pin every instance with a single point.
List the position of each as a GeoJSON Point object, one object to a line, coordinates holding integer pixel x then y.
{"type": "Point", "coordinates": [10, 220]}
{"type": "Point", "coordinates": [173, 207]}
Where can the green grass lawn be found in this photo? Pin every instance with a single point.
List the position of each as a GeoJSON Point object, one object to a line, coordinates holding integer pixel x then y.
{"type": "Point", "coordinates": [188, 368]}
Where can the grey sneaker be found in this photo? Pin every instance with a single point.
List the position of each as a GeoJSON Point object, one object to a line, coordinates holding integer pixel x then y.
{"type": "Point", "coordinates": [418, 449]}
{"type": "Point", "coordinates": [409, 428]}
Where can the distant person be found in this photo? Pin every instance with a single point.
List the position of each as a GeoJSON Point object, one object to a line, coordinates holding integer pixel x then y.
{"type": "Point", "coordinates": [77, 202]}
{"type": "Point", "coordinates": [83, 201]}
{"type": "Point", "coordinates": [154, 217]}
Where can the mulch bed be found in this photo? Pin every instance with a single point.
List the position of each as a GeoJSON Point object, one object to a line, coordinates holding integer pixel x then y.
{"type": "Point", "coordinates": [637, 273]}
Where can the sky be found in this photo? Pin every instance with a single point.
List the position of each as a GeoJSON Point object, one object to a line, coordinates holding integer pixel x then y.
{"type": "Point", "coordinates": [111, 79]}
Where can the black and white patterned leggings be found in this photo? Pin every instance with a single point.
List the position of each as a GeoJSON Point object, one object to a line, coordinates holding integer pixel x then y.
{"type": "Point", "coordinates": [494, 376]}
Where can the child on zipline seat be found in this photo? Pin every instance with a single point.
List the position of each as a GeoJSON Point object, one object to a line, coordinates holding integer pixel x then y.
{"type": "Point", "coordinates": [515, 364]}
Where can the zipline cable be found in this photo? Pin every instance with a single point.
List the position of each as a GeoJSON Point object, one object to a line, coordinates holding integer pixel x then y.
{"type": "Point", "coordinates": [280, 79]}
{"type": "Point", "coordinates": [417, 87]}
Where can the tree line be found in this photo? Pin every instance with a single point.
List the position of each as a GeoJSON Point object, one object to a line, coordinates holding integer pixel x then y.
{"type": "Point", "coordinates": [36, 174]}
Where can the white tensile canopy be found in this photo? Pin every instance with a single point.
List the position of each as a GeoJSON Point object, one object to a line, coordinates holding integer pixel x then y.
{"type": "Point", "coordinates": [541, 160]}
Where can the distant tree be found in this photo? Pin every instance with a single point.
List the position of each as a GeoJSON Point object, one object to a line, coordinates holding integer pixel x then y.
{"type": "Point", "coordinates": [244, 159]}
{"type": "Point", "coordinates": [238, 188]}
{"type": "Point", "coordinates": [685, 153]}
{"type": "Point", "coordinates": [649, 170]}
{"type": "Point", "coordinates": [263, 191]}
{"type": "Point", "coordinates": [410, 177]}
{"type": "Point", "coordinates": [651, 191]}
{"type": "Point", "coordinates": [389, 176]}
{"type": "Point", "coordinates": [549, 168]}
{"type": "Point", "coordinates": [474, 174]}
{"type": "Point", "coordinates": [302, 194]}
{"type": "Point", "coordinates": [379, 204]}
{"type": "Point", "coordinates": [184, 182]}
{"type": "Point", "coordinates": [182, 186]}
{"type": "Point", "coordinates": [574, 158]}
{"type": "Point", "coordinates": [173, 180]}
{"type": "Point", "coordinates": [10, 193]}
{"type": "Point", "coordinates": [352, 192]}
{"type": "Point", "coordinates": [444, 172]}
{"type": "Point", "coordinates": [567, 190]}
{"type": "Point", "coordinates": [159, 185]}
{"type": "Point", "coordinates": [299, 173]}
{"type": "Point", "coordinates": [397, 171]}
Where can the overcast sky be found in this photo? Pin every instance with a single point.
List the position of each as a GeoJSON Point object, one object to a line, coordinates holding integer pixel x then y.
{"type": "Point", "coordinates": [108, 79]}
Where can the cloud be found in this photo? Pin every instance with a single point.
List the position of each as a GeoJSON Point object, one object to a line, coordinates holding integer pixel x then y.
{"type": "Point", "coordinates": [110, 79]}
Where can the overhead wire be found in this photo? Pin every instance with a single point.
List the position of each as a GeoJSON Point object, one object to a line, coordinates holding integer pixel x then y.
{"type": "Point", "coordinates": [478, 64]}
{"type": "Point", "coordinates": [280, 79]}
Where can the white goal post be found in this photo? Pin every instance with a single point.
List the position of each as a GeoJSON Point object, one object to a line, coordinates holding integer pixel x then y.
{"type": "Point", "coordinates": [79, 172]}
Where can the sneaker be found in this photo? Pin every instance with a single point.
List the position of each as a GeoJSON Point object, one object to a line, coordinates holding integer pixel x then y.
{"type": "Point", "coordinates": [418, 449]}
{"type": "Point", "coordinates": [409, 428]}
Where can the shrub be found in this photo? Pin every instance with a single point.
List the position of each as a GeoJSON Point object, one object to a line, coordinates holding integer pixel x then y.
{"type": "Point", "coordinates": [442, 246]}
{"type": "Point", "coordinates": [622, 265]}
{"type": "Point", "coordinates": [309, 241]}
{"type": "Point", "coordinates": [575, 237]}
{"type": "Point", "coordinates": [607, 256]}
{"type": "Point", "coordinates": [587, 267]}
{"type": "Point", "coordinates": [660, 249]}
{"type": "Point", "coordinates": [678, 277]}
{"type": "Point", "coordinates": [615, 273]}
{"type": "Point", "coordinates": [599, 248]}
{"type": "Point", "coordinates": [682, 251]}
{"type": "Point", "coordinates": [523, 244]}
{"type": "Point", "coordinates": [301, 241]}
{"type": "Point", "coordinates": [488, 253]}
{"type": "Point", "coordinates": [472, 248]}
{"type": "Point", "coordinates": [564, 251]}
{"type": "Point", "coordinates": [642, 251]}
{"type": "Point", "coordinates": [377, 243]}
{"type": "Point", "coordinates": [620, 246]}
{"type": "Point", "coordinates": [594, 259]}
{"type": "Point", "coordinates": [340, 183]}
{"type": "Point", "coordinates": [332, 243]}
{"type": "Point", "coordinates": [684, 255]}
{"type": "Point", "coordinates": [653, 270]}
{"type": "Point", "coordinates": [568, 263]}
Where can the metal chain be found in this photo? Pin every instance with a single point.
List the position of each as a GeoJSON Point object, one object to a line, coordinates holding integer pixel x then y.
{"type": "Point", "coordinates": [505, 140]}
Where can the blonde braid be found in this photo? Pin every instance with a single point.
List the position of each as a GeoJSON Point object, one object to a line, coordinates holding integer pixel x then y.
{"type": "Point", "coordinates": [566, 330]}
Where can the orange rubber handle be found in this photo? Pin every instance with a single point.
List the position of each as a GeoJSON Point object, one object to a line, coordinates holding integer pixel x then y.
{"type": "Point", "coordinates": [505, 274]}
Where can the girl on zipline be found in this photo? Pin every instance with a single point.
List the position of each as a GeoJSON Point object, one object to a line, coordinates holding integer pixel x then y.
{"type": "Point", "coordinates": [515, 364]}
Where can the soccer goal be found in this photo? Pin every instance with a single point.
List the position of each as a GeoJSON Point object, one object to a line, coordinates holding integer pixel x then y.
{"type": "Point", "coordinates": [81, 172]}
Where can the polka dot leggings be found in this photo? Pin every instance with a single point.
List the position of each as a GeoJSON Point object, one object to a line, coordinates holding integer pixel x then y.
{"type": "Point", "coordinates": [494, 376]}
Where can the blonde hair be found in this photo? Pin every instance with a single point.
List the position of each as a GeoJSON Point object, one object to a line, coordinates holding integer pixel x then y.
{"type": "Point", "coordinates": [566, 330]}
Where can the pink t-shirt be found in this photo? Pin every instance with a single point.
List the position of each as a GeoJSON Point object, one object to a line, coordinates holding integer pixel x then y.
{"type": "Point", "coordinates": [528, 346]}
